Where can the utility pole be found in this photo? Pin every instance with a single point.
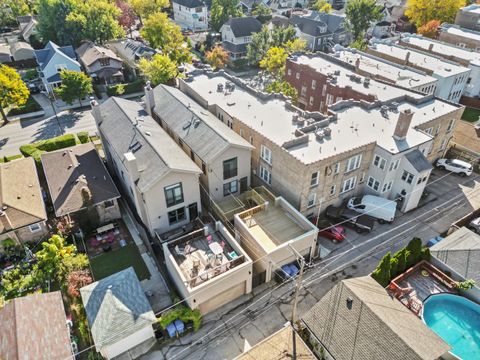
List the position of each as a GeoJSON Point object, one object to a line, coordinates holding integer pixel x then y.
{"type": "Point", "coordinates": [298, 285]}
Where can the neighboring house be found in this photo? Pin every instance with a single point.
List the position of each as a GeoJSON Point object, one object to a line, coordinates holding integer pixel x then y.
{"type": "Point", "coordinates": [321, 30]}
{"type": "Point", "coordinates": [119, 314]}
{"type": "Point", "coordinates": [459, 253]}
{"type": "Point", "coordinates": [468, 17]}
{"type": "Point", "coordinates": [52, 60]}
{"type": "Point", "coordinates": [28, 26]}
{"type": "Point", "coordinates": [454, 34]}
{"type": "Point", "coordinates": [22, 215]}
{"type": "Point", "coordinates": [246, 6]}
{"type": "Point", "coordinates": [237, 34]}
{"type": "Point", "coordinates": [452, 78]}
{"type": "Point", "coordinates": [159, 179]}
{"type": "Point", "coordinates": [328, 162]}
{"type": "Point", "coordinates": [35, 327]}
{"type": "Point", "coordinates": [190, 14]}
{"type": "Point", "coordinates": [223, 155]}
{"type": "Point", "coordinates": [383, 29]}
{"type": "Point", "coordinates": [78, 180]}
{"type": "Point", "coordinates": [5, 55]}
{"type": "Point", "coordinates": [208, 280]}
{"type": "Point", "coordinates": [279, 346]}
{"type": "Point", "coordinates": [131, 51]}
{"type": "Point", "coordinates": [269, 231]}
{"type": "Point", "coordinates": [383, 70]}
{"type": "Point", "coordinates": [465, 57]}
{"type": "Point", "coordinates": [358, 319]}
{"type": "Point", "coordinates": [100, 63]}
{"type": "Point", "coordinates": [22, 51]}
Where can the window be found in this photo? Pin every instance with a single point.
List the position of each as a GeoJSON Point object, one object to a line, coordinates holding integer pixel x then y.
{"type": "Point", "coordinates": [204, 168]}
{"type": "Point", "coordinates": [176, 216]}
{"type": "Point", "coordinates": [311, 200]}
{"type": "Point", "coordinates": [266, 154]}
{"type": "Point", "coordinates": [265, 175]}
{"type": "Point", "coordinates": [349, 184]}
{"type": "Point", "coordinates": [109, 204]}
{"type": "Point", "coordinates": [379, 162]}
{"type": "Point", "coordinates": [429, 131]}
{"type": "Point", "coordinates": [297, 75]}
{"type": "Point", "coordinates": [251, 140]}
{"type": "Point", "coordinates": [437, 129]}
{"type": "Point", "coordinates": [394, 165]}
{"type": "Point", "coordinates": [314, 179]}
{"type": "Point", "coordinates": [314, 84]}
{"type": "Point", "coordinates": [35, 228]}
{"type": "Point", "coordinates": [332, 190]}
{"type": "Point", "coordinates": [373, 183]}
{"type": "Point", "coordinates": [241, 132]}
{"type": "Point", "coordinates": [104, 61]}
{"type": "Point", "coordinates": [450, 125]}
{"type": "Point", "coordinates": [336, 168]}
{"type": "Point", "coordinates": [230, 188]}
{"type": "Point", "coordinates": [443, 145]}
{"type": "Point", "coordinates": [329, 99]}
{"type": "Point", "coordinates": [289, 72]}
{"type": "Point", "coordinates": [60, 67]}
{"type": "Point", "coordinates": [407, 177]}
{"type": "Point", "coordinates": [230, 168]}
{"type": "Point", "coordinates": [387, 186]}
{"type": "Point", "coordinates": [310, 101]}
{"type": "Point", "coordinates": [324, 89]}
{"type": "Point", "coordinates": [174, 194]}
{"type": "Point", "coordinates": [354, 163]}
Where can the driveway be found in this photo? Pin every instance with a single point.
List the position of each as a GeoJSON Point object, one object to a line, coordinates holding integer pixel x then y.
{"type": "Point", "coordinates": [226, 332]}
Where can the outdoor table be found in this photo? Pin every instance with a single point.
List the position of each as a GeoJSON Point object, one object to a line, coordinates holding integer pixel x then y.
{"type": "Point", "coordinates": [105, 228]}
{"type": "Point", "coordinates": [216, 248]}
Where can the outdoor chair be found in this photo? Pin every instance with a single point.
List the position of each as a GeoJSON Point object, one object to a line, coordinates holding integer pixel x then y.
{"type": "Point", "coordinates": [209, 239]}
{"type": "Point", "coordinates": [179, 251]}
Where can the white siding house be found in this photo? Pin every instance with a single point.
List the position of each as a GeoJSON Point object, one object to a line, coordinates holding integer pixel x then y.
{"type": "Point", "coordinates": [190, 14]}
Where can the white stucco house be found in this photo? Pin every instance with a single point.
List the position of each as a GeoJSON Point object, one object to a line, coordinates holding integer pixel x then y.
{"type": "Point", "coordinates": [160, 181]}
{"type": "Point", "coordinates": [119, 314]}
{"type": "Point", "coordinates": [190, 14]}
{"type": "Point", "coordinates": [52, 60]}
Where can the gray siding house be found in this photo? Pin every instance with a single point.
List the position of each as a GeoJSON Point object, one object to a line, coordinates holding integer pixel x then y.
{"type": "Point", "coordinates": [100, 63]}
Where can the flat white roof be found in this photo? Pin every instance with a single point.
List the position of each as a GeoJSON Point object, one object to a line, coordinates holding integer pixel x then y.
{"type": "Point", "coordinates": [473, 8]}
{"type": "Point", "coordinates": [459, 31]}
{"type": "Point", "coordinates": [438, 66]}
{"type": "Point", "coordinates": [442, 48]}
{"type": "Point", "coordinates": [381, 91]}
{"type": "Point", "coordinates": [398, 74]}
{"type": "Point", "coordinates": [355, 126]}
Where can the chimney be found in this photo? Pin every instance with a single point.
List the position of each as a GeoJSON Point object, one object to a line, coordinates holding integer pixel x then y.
{"type": "Point", "coordinates": [403, 124]}
{"type": "Point", "coordinates": [95, 111]}
{"type": "Point", "coordinates": [430, 47]}
{"type": "Point", "coordinates": [149, 98]}
{"type": "Point", "coordinates": [357, 65]}
{"type": "Point", "coordinates": [132, 166]}
{"type": "Point", "coordinates": [407, 58]}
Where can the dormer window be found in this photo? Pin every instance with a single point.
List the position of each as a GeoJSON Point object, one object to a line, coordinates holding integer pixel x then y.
{"type": "Point", "coordinates": [322, 29]}
{"type": "Point", "coordinates": [104, 61]}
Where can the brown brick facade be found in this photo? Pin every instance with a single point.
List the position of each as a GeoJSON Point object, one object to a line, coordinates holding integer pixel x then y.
{"type": "Point", "coordinates": [459, 40]}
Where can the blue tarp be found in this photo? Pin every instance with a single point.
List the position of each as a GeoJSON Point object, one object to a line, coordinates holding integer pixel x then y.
{"type": "Point", "coordinates": [286, 269]}
{"type": "Point", "coordinates": [180, 326]}
{"type": "Point", "coordinates": [171, 330]}
{"type": "Point", "coordinates": [293, 270]}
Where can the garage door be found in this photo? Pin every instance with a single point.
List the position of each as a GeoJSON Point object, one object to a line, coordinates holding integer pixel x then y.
{"type": "Point", "coordinates": [222, 298]}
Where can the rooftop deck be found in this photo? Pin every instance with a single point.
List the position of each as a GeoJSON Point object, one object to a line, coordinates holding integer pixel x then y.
{"type": "Point", "coordinates": [415, 285]}
{"type": "Point", "coordinates": [203, 255]}
{"type": "Point", "coordinates": [271, 225]}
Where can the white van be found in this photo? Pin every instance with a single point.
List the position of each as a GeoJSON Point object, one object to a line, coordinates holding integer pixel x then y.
{"type": "Point", "coordinates": [380, 208]}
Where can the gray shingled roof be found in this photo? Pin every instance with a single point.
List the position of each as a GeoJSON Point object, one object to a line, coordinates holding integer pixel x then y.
{"type": "Point", "coordinates": [461, 252]}
{"type": "Point", "coordinates": [156, 153]}
{"type": "Point", "coordinates": [116, 307]}
{"type": "Point", "coordinates": [244, 26]}
{"type": "Point", "coordinates": [418, 161]}
{"type": "Point", "coordinates": [209, 137]}
{"type": "Point", "coordinates": [310, 24]}
{"type": "Point", "coordinates": [358, 319]}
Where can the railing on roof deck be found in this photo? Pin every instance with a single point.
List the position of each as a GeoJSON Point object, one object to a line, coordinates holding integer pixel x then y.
{"type": "Point", "coordinates": [264, 193]}
{"type": "Point", "coordinates": [210, 273]}
{"type": "Point", "coordinates": [251, 211]}
{"type": "Point", "coordinates": [188, 237]}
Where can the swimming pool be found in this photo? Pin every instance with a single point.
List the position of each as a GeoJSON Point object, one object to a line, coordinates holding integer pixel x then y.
{"type": "Point", "coordinates": [457, 321]}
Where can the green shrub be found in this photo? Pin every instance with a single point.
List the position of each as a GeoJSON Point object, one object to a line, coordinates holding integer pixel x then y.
{"type": "Point", "coordinates": [30, 106]}
{"type": "Point", "coordinates": [12, 157]}
{"type": "Point", "coordinates": [123, 89]}
{"type": "Point", "coordinates": [83, 137]}
{"type": "Point", "coordinates": [401, 256]}
{"type": "Point", "coordinates": [183, 313]}
{"type": "Point", "coordinates": [382, 273]}
{"type": "Point", "coordinates": [393, 267]}
{"type": "Point", "coordinates": [426, 254]}
{"type": "Point", "coordinates": [30, 74]}
{"type": "Point", "coordinates": [59, 142]}
{"type": "Point", "coordinates": [28, 150]}
{"type": "Point", "coordinates": [96, 90]}
{"type": "Point", "coordinates": [415, 249]}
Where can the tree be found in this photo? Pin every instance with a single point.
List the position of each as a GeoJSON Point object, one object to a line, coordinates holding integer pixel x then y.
{"type": "Point", "coordinates": [13, 91]}
{"type": "Point", "coordinates": [274, 61]}
{"type": "Point", "coordinates": [262, 12]}
{"type": "Point", "coordinates": [430, 29]}
{"type": "Point", "coordinates": [414, 248]}
{"type": "Point", "coordinates": [144, 8]}
{"type": "Point", "coordinates": [127, 15]}
{"type": "Point", "coordinates": [466, 285]}
{"type": "Point", "coordinates": [295, 45]}
{"type": "Point", "coordinates": [52, 16]}
{"type": "Point", "coordinates": [164, 34]}
{"type": "Point", "coordinates": [359, 44]}
{"type": "Point", "coordinates": [217, 57]}
{"type": "Point", "coordinates": [267, 38]}
{"type": "Point", "coordinates": [401, 256]}
{"type": "Point", "coordinates": [76, 280]}
{"type": "Point", "coordinates": [360, 14]}
{"type": "Point", "coordinates": [382, 273]}
{"type": "Point", "coordinates": [75, 86]}
{"type": "Point", "coordinates": [221, 11]}
{"type": "Point", "coordinates": [282, 87]}
{"type": "Point", "coordinates": [159, 69]}
{"type": "Point", "coordinates": [322, 6]}
{"type": "Point", "coordinates": [421, 12]}
{"type": "Point", "coordinates": [393, 267]}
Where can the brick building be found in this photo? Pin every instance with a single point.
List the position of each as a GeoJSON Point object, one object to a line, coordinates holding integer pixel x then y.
{"type": "Point", "coordinates": [456, 35]}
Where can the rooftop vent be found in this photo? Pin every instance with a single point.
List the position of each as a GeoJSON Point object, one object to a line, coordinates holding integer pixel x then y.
{"type": "Point", "coordinates": [219, 87]}
{"type": "Point", "coordinates": [319, 135]}
{"type": "Point", "coordinates": [327, 132]}
{"type": "Point", "coordinates": [336, 72]}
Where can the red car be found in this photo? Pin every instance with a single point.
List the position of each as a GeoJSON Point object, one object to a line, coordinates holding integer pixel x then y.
{"type": "Point", "coordinates": [333, 232]}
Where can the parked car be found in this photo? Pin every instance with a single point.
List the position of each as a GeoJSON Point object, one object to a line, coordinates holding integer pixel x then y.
{"type": "Point", "coordinates": [454, 165]}
{"type": "Point", "coordinates": [375, 206]}
{"type": "Point", "coordinates": [360, 223]}
{"type": "Point", "coordinates": [336, 233]}
{"type": "Point", "coordinates": [474, 225]}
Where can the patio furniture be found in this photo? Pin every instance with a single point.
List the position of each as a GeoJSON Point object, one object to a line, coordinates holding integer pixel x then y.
{"type": "Point", "coordinates": [179, 251]}
{"type": "Point", "coordinates": [209, 239]}
{"type": "Point", "coordinates": [216, 248]}
{"type": "Point", "coordinates": [99, 237]}
{"type": "Point", "coordinates": [232, 255]}
{"type": "Point", "coordinates": [122, 243]}
{"type": "Point", "coordinates": [105, 228]}
{"type": "Point", "coordinates": [171, 329]}
{"type": "Point", "coordinates": [116, 231]}
{"type": "Point", "coordinates": [180, 326]}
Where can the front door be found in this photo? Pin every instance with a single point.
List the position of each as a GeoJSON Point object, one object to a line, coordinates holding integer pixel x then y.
{"type": "Point", "coordinates": [192, 211]}
{"type": "Point", "coordinates": [243, 184]}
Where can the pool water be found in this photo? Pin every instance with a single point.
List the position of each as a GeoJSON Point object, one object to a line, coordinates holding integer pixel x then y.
{"type": "Point", "coordinates": [457, 321]}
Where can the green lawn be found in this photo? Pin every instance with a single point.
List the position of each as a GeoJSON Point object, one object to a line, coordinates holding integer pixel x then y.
{"type": "Point", "coordinates": [471, 114]}
{"type": "Point", "coordinates": [114, 261]}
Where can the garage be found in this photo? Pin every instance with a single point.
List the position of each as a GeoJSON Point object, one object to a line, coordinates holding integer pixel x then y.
{"type": "Point", "coordinates": [222, 298]}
